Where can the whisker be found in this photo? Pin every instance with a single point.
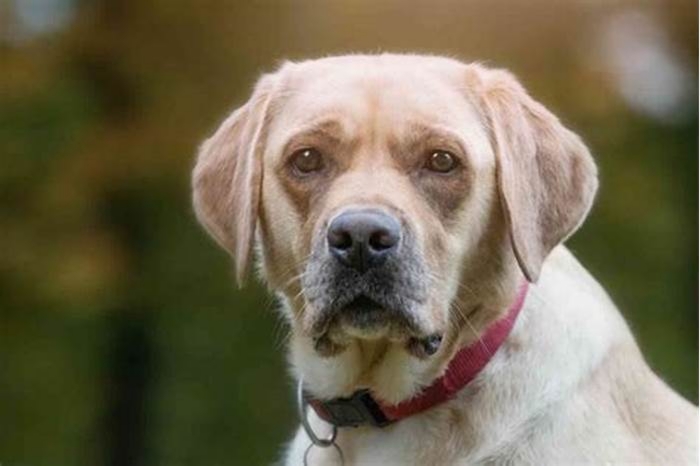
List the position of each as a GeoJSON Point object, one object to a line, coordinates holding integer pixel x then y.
{"type": "Point", "coordinates": [295, 278]}
{"type": "Point", "coordinates": [282, 333]}
{"type": "Point", "coordinates": [471, 326]}
{"type": "Point", "coordinates": [462, 286]}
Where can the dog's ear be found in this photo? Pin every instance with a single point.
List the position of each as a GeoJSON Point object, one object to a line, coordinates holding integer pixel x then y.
{"type": "Point", "coordinates": [547, 178]}
{"type": "Point", "coordinates": [227, 178]}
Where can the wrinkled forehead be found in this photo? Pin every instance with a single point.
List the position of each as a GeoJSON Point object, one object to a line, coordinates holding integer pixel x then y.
{"type": "Point", "coordinates": [377, 101]}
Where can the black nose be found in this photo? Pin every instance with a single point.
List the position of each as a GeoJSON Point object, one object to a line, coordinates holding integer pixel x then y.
{"type": "Point", "coordinates": [362, 239]}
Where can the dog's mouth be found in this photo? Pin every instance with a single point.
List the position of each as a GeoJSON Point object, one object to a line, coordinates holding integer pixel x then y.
{"type": "Point", "coordinates": [368, 316]}
{"type": "Point", "coordinates": [365, 318]}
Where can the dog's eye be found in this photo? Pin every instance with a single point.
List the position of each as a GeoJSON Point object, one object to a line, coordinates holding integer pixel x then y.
{"type": "Point", "coordinates": [441, 161]}
{"type": "Point", "coordinates": [307, 160]}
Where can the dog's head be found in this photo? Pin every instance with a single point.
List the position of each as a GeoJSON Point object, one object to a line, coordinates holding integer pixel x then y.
{"type": "Point", "coordinates": [393, 199]}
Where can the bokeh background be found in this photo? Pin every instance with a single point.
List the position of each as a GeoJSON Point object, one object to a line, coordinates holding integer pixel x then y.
{"type": "Point", "coordinates": [123, 340]}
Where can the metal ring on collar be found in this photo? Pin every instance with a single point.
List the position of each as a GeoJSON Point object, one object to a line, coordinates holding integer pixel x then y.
{"type": "Point", "coordinates": [301, 406]}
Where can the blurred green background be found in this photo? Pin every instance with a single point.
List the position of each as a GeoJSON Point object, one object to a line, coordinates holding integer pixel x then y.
{"type": "Point", "coordinates": [123, 340]}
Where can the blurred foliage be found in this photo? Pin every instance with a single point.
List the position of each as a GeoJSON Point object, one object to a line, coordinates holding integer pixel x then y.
{"type": "Point", "coordinates": [122, 337]}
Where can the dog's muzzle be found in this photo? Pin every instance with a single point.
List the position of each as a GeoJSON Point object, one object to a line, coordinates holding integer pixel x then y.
{"type": "Point", "coordinates": [365, 278]}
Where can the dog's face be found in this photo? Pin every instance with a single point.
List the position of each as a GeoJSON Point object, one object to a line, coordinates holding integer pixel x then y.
{"type": "Point", "coordinates": [389, 193]}
{"type": "Point", "coordinates": [371, 179]}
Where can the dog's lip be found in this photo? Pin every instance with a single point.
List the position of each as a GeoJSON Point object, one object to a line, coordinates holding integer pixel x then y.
{"type": "Point", "coordinates": [364, 315]}
{"type": "Point", "coordinates": [363, 304]}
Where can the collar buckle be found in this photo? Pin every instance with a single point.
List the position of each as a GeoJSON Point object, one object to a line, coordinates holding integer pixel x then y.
{"type": "Point", "coordinates": [357, 410]}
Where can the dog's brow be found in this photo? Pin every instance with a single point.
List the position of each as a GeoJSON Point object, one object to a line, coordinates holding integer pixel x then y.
{"type": "Point", "coordinates": [418, 133]}
{"type": "Point", "coordinates": [329, 129]}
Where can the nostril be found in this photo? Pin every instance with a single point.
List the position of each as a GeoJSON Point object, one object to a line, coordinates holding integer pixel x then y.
{"type": "Point", "coordinates": [383, 239]}
{"type": "Point", "coordinates": [339, 239]}
{"type": "Point", "coordinates": [362, 239]}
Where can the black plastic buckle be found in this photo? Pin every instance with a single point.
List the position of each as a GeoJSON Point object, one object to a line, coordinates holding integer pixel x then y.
{"type": "Point", "coordinates": [359, 409]}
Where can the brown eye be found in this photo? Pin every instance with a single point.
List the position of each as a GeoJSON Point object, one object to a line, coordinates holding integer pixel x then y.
{"type": "Point", "coordinates": [441, 161]}
{"type": "Point", "coordinates": [307, 160]}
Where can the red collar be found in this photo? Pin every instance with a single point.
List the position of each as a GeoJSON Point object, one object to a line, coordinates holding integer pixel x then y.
{"type": "Point", "coordinates": [362, 408]}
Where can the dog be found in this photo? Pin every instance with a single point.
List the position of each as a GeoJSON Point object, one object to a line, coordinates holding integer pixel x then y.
{"type": "Point", "coordinates": [409, 212]}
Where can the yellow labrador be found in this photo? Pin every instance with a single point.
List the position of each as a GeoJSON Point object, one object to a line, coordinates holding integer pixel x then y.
{"type": "Point", "coordinates": [400, 204]}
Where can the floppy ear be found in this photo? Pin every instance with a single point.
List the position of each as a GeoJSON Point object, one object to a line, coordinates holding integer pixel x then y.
{"type": "Point", "coordinates": [547, 178]}
{"type": "Point", "coordinates": [227, 178]}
